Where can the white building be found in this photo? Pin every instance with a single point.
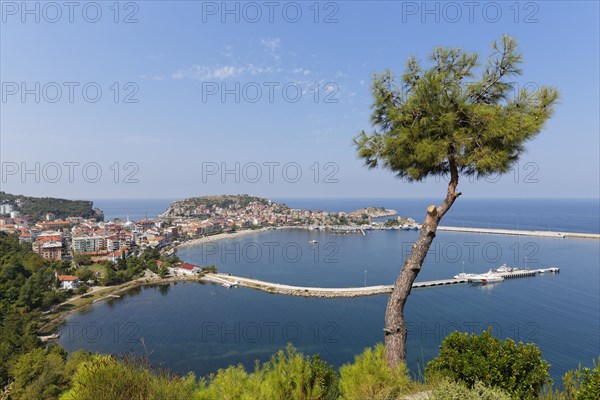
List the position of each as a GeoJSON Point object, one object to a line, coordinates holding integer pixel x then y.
{"type": "Point", "coordinates": [68, 281]}
{"type": "Point", "coordinates": [88, 243]}
{"type": "Point", "coordinates": [6, 208]}
{"type": "Point", "coordinates": [185, 269]}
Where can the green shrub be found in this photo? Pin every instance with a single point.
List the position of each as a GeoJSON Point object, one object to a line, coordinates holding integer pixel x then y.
{"type": "Point", "coordinates": [580, 384]}
{"type": "Point", "coordinates": [516, 368]}
{"type": "Point", "coordinates": [107, 378]}
{"type": "Point", "coordinates": [371, 378]}
{"type": "Point", "coordinates": [231, 383]}
{"type": "Point", "coordinates": [287, 375]}
{"type": "Point", "coordinates": [210, 269]}
{"type": "Point", "coordinates": [291, 375]}
{"type": "Point", "coordinates": [44, 374]}
{"type": "Point", "coordinates": [447, 390]}
{"type": "Point", "coordinates": [82, 289]}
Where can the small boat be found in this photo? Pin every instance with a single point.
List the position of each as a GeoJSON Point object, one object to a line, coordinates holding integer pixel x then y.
{"type": "Point", "coordinates": [226, 285]}
{"type": "Point", "coordinates": [312, 241]}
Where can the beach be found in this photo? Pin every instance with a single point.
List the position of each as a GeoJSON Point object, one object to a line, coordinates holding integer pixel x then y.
{"type": "Point", "coordinates": [218, 237]}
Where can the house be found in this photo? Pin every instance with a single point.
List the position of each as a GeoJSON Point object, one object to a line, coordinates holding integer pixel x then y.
{"type": "Point", "coordinates": [156, 241]}
{"type": "Point", "coordinates": [25, 238]}
{"type": "Point", "coordinates": [68, 281]}
{"type": "Point", "coordinates": [185, 269]}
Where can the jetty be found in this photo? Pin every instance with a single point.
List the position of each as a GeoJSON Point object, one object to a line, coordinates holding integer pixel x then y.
{"type": "Point", "coordinates": [302, 291]}
{"type": "Point", "coordinates": [515, 232]}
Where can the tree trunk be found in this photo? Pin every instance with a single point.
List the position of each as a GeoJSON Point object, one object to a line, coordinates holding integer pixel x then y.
{"type": "Point", "coordinates": [395, 328]}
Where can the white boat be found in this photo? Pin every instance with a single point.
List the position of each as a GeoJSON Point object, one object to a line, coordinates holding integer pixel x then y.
{"type": "Point", "coordinates": [488, 277]}
{"type": "Point", "coordinates": [312, 241]}
{"type": "Point", "coordinates": [503, 268]}
{"type": "Point", "coordinates": [464, 275]}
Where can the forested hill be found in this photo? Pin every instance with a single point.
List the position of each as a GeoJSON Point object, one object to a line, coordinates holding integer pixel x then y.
{"type": "Point", "coordinates": [37, 207]}
{"type": "Point", "coordinates": [196, 206]}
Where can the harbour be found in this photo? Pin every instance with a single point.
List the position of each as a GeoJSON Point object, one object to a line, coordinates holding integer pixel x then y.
{"type": "Point", "coordinates": [172, 316]}
{"type": "Point", "coordinates": [229, 281]}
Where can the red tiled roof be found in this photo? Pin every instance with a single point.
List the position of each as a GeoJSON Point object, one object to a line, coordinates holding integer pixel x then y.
{"type": "Point", "coordinates": [67, 278]}
{"type": "Point", "coordinates": [186, 266]}
{"type": "Point", "coordinates": [49, 238]}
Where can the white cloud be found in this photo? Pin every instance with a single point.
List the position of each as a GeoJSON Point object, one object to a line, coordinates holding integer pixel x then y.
{"type": "Point", "coordinates": [254, 70]}
{"type": "Point", "coordinates": [301, 71]}
{"type": "Point", "coordinates": [203, 72]}
{"type": "Point", "coordinates": [271, 44]}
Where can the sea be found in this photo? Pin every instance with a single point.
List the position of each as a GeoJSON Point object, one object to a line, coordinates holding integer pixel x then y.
{"type": "Point", "coordinates": [203, 327]}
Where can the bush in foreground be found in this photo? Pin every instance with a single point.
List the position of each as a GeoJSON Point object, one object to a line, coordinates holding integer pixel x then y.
{"type": "Point", "coordinates": [580, 384]}
{"type": "Point", "coordinates": [44, 373]}
{"type": "Point", "coordinates": [108, 378]}
{"type": "Point", "coordinates": [371, 378]}
{"type": "Point", "coordinates": [447, 390]}
{"type": "Point", "coordinates": [292, 376]}
{"type": "Point", "coordinates": [287, 375]}
{"type": "Point", "coordinates": [516, 368]}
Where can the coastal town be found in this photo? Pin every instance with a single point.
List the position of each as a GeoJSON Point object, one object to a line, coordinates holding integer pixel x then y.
{"type": "Point", "coordinates": [74, 238]}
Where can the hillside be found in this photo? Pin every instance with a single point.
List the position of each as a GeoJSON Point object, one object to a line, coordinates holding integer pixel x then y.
{"type": "Point", "coordinates": [374, 212]}
{"type": "Point", "coordinates": [198, 206]}
{"type": "Point", "coordinates": [38, 207]}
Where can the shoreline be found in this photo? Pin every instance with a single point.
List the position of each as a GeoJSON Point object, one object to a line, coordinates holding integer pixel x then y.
{"type": "Point", "coordinates": [56, 317]}
{"type": "Point", "coordinates": [218, 237]}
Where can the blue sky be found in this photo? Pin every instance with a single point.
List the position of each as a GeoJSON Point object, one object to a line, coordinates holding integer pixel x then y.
{"type": "Point", "coordinates": [180, 135]}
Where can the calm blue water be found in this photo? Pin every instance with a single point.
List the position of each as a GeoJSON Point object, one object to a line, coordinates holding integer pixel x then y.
{"type": "Point", "coordinates": [206, 327]}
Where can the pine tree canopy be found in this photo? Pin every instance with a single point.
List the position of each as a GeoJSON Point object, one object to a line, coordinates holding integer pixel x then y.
{"type": "Point", "coordinates": [454, 116]}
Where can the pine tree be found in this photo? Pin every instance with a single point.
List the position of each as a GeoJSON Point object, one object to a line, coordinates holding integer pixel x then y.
{"type": "Point", "coordinates": [445, 121]}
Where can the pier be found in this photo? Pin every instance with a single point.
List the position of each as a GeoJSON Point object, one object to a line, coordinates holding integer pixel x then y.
{"type": "Point", "coordinates": [277, 288]}
{"type": "Point", "coordinates": [515, 232]}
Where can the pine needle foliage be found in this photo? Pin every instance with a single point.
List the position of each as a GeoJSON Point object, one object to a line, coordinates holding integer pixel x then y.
{"type": "Point", "coordinates": [454, 113]}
